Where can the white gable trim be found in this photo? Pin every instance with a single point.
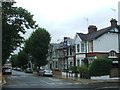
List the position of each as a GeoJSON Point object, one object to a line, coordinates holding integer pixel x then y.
{"type": "Point", "coordinates": [77, 38]}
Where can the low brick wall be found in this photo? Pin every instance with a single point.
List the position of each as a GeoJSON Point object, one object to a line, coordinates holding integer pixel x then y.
{"type": "Point", "coordinates": [57, 72]}
{"type": "Point", "coordinates": [114, 72]}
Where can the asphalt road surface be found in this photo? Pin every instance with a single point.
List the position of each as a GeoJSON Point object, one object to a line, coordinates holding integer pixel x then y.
{"type": "Point", "coordinates": [23, 81]}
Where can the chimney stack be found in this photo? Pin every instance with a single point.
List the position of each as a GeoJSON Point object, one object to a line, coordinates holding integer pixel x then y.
{"type": "Point", "coordinates": [92, 29]}
{"type": "Point", "coordinates": [113, 23]}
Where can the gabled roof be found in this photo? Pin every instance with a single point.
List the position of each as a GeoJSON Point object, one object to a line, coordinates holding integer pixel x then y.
{"type": "Point", "coordinates": [55, 46]}
{"type": "Point", "coordinates": [70, 42]}
{"type": "Point", "coordinates": [94, 35]}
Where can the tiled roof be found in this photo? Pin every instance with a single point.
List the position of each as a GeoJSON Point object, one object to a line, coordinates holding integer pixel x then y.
{"type": "Point", "coordinates": [94, 35]}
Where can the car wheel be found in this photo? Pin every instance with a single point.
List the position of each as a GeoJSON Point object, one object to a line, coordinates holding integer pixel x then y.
{"type": "Point", "coordinates": [10, 73]}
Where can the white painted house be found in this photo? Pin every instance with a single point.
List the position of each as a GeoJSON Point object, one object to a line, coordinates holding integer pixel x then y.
{"type": "Point", "coordinates": [79, 50]}
{"type": "Point", "coordinates": [97, 43]}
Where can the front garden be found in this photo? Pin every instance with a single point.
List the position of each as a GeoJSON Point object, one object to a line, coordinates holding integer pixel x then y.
{"type": "Point", "coordinates": [99, 67]}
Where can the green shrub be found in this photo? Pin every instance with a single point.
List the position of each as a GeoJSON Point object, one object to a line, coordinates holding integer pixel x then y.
{"type": "Point", "coordinates": [74, 69]}
{"type": "Point", "coordinates": [100, 67]}
{"type": "Point", "coordinates": [83, 69]}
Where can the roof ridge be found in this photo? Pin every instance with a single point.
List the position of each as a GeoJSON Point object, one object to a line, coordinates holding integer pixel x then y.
{"type": "Point", "coordinates": [94, 35]}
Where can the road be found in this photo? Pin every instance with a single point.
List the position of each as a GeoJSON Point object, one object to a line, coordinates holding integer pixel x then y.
{"type": "Point", "coordinates": [20, 80]}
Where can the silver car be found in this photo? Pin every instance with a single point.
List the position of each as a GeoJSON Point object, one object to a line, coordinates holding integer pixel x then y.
{"type": "Point", "coordinates": [7, 70]}
{"type": "Point", "coordinates": [45, 72]}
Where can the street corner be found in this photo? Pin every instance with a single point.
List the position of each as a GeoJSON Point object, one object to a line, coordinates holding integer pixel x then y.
{"type": "Point", "coordinates": [3, 81]}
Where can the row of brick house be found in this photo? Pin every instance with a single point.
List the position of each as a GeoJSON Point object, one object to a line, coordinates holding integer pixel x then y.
{"type": "Point", "coordinates": [95, 44]}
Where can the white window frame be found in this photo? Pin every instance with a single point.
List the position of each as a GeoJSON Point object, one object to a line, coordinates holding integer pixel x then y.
{"type": "Point", "coordinates": [82, 47]}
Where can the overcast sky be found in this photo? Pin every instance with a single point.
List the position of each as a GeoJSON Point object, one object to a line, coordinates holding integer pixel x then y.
{"type": "Point", "coordinates": [67, 17]}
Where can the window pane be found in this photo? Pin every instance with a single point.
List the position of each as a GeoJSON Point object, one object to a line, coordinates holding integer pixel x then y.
{"type": "Point", "coordinates": [78, 62]}
{"type": "Point", "coordinates": [78, 46]}
{"type": "Point", "coordinates": [82, 47]}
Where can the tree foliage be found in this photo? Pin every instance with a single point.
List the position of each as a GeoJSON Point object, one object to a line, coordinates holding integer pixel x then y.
{"type": "Point", "coordinates": [14, 60]}
{"type": "Point", "coordinates": [37, 46]}
{"type": "Point", "coordinates": [100, 67]}
{"type": "Point", "coordinates": [22, 58]}
{"type": "Point", "coordinates": [14, 22]}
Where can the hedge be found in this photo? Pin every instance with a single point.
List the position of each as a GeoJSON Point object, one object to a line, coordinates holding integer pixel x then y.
{"type": "Point", "coordinates": [100, 67]}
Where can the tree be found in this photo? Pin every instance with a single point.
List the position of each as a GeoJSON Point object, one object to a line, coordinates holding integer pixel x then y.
{"type": "Point", "coordinates": [37, 46]}
{"type": "Point", "coordinates": [22, 58]}
{"type": "Point", "coordinates": [14, 22]}
{"type": "Point", "coordinates": [14, 60]}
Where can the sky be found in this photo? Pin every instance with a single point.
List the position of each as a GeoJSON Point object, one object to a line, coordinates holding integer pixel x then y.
{"type": "Point", "coordinates": [65, 18]}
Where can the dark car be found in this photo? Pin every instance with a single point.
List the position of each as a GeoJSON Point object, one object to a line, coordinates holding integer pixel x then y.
{"type": "Point", "coordinates": [28, 70]}
{"type": "Point", "coordinates": [45, 72]}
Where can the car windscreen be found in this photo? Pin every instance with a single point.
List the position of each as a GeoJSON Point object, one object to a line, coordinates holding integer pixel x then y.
{"type": "Point", "coordinates": [6, 68]}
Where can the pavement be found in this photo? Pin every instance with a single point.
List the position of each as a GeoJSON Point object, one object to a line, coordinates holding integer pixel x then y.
{"type": "Point", "coordinates": [88, 81]}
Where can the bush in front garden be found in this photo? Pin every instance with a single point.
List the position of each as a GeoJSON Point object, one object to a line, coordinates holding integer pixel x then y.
{"type": "Point", "coordinates": [83, 70]}
{"type": "Point", "coordinates": [75, 70]}
{"type": "Point", "coordinates": [100, 67]}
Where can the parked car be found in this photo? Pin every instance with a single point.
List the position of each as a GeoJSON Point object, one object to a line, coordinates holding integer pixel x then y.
{"type": "Point", "coordinates": [45, 72]}
{"type": "Point", "coordinates": [28, 70]}
{"type": "Point", "coordinates": [14, 68]}
{"type": "Point", "coordinates": [7, 70]}
{"type": "Point", "coordinates": [19, 69]}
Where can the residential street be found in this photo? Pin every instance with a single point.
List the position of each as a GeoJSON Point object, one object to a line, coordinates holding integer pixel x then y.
{"type": "Point", "coordinates": [30, 81]}
{"type": "Point", "coordinates": [23, 80]}
{"type": "Point", "coordinates": [60, 44]}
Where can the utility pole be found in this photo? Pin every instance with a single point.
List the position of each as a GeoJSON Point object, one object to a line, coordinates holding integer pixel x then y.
{"type": "Point", "coordinates": [0, 37]}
